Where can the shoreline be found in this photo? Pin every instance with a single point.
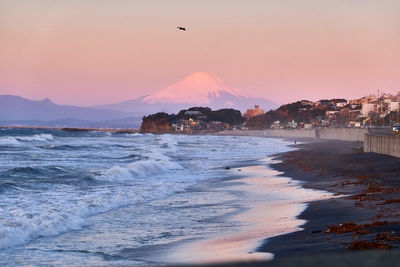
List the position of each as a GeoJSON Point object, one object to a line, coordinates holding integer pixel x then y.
{"type": "Point", "coordinates": [269, 206]}
{"type": "Point", "coordinates": [365, 218]}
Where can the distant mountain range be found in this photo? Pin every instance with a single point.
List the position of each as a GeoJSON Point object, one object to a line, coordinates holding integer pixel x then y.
{"type": "Point", "coordinates": [16, 110]}
{"type": "Point", "coordinates": [198, 89]}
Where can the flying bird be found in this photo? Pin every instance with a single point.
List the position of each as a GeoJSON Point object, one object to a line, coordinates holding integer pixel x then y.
{"type": "Point", "coordinates": [181, 28]}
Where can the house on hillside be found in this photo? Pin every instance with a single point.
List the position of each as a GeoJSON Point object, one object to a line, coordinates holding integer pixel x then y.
{"type": "Point", "coordinates": [275, 125]}
{"type": "Point", "coordinates": [394, 106]}
{"type": "Point", "coordinates": [195, 114]}
{"type": "Point", "coordinates": [177, 127]}
{"type": "Point", "coordinates": [253, 112]}
{"type": "Point", "coordinates": [367, 108]}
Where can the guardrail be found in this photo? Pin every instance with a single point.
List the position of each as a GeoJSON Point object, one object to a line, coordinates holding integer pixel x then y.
{"type": "Point", "coordinates": [387, 131]}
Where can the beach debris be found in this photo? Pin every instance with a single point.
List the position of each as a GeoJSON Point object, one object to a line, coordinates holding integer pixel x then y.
{"type": "Point", "coordinates": [364, 197]}
{"type": "Point", "coordinates": [387, 236]}
{"type": "Point", "coordinates": [374, 188]}
{"type": "Point", "coordinates": [239, 170]}
{"type": "Point", "coordinates": [364, 245]}
{"type": "Point", "coordinates": [227, 168]}
{"type": "Point", "coordinates": [316, 231]}
{"type": "Point", "coordinates": [389, 201]}
{"type": "Point", "coordinates": [344, 228]}
{"type": "Point", "coordinates": [363, 232]}
{"type": "Point", "coordinates": [353, 227]}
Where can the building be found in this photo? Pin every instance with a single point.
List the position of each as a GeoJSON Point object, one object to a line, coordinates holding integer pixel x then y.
{"type": "Point", "coordinates": [368, 99]}
{"type": "Point", "coordinates": [195, 114]}
{"type": "Point", "coordinates": [306, 102]}
{"type": "Point", "coordinates": [275, 125]}
{"type": "Point", "coordinates": [330, 114]}
{"type": "Point", "coordinates": [367, 108]}
{"type": "Point", "coordinates": [253, 112]}
{"type": "Point", "coordinates": [177, 127]}
{"type": "Point", "coordinates": [394, 106]}
{"type": "Point", "coordinates": [341, 104]}
{"type": "Point", "coordinates": [307, 126]}
{"type": "Point", "coordinates": [292, 124]}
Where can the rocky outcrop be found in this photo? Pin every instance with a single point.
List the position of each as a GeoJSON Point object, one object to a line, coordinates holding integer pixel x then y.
{"type": "Point", "coordinates": [192, 120]}
{"type": "Point", "coordinates": [157, 123]}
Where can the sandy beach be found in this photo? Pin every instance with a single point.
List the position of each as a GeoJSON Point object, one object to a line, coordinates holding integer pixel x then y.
{"type": "Point", "coordinates": [269, 205]}
{"type": "Point", "coordinates": [367, 218]}
{"type": "Point", "coordinates": [360, 227]}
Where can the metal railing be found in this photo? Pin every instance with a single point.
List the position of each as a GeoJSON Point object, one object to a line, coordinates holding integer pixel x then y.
{"type": "Point", "coordinates": [382, 131]}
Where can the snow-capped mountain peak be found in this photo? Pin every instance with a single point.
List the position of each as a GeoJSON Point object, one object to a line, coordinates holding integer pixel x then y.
{"type": "Point", "coordinates": [198, 88]}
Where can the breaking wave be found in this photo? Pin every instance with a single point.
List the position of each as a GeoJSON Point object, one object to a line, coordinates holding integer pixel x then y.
{"type": "Point", "coordinates": [16, 140]}
{"type": "Point", "coordinates": [155, 163]}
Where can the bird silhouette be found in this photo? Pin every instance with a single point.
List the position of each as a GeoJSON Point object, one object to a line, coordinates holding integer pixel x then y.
{"type": "Point", "coordinates": [181, 28]}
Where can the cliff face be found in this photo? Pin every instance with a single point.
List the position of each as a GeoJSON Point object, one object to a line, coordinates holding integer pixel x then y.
{"type": "Point", "coordinates": [157, 123]}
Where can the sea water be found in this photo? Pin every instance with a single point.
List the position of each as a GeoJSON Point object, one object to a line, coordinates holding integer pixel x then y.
{"type": "Point", "coordinates": [99, 198]}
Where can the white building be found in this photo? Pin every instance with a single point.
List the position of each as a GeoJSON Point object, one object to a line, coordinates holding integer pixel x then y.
{"type": "Point", "coordinates": [307, 126]}
{"type": "Point", "coordinates": [178, 127]}
{"type": "Point", "coordinates": [394, 106]}
{"type": "Point", "coordinates": [341, 104]}
{"type": "Point", "coordinates": [370, 107]}
{"type": "Point", "coordinates": [275, 125]}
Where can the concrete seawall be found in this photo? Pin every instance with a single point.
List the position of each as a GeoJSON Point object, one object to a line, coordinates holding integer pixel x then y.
{"type": "Point", "coordinates": [382, 144]}
{"type": "Point", "coordinates": [273, 133]}
{"type": "Point", "coordinates": [290, 133]}
{"type": "Point", "coordinates": [343, 134]}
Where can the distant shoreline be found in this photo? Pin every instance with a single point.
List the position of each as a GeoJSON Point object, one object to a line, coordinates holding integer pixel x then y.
{"type": "Point", "coordinates": [74, 129]}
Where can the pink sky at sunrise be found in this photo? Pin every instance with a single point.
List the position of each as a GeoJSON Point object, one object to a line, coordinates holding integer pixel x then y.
{"type": "Point", "coordinates": [97, 52]}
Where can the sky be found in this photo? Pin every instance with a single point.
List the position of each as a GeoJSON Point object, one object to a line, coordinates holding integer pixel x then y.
{"type": "Point", "coordinates": [92, 52]}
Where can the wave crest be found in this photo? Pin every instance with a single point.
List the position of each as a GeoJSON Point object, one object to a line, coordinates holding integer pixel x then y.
{"type": "Point", "coordinates": [154, 164]}
{"type": "Point", "coordinates": [16, 140]}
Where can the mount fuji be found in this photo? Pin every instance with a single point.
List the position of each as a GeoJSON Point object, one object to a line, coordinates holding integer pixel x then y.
{"type": "Point", "coordinates": [197, 89]}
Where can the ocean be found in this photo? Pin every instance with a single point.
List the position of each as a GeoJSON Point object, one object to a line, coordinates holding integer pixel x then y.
{"type": "Point", "coordinates": [110, 199]}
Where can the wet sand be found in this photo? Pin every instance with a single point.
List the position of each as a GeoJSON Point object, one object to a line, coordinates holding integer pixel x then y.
{"type": "Point", "coordinates": [268, 206]}
{"type": "Point", "coordinates": [367, 218]}
{"type": "Point", "coordinates": [361, 228]}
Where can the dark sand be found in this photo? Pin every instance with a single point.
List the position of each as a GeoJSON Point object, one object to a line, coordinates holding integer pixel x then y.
{"type": "Point", "coordinates": [370, 213]}
{"type": "Point", "coordinates": [360, 229]}
{"type": "Point", "coordinates": [367, 219]}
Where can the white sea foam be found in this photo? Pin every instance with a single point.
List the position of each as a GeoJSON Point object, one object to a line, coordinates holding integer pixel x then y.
{"type": "Point", "coordinates": [167, 139]}
{"type": "Point", "coordinates": [22, 229]}
{"type": "Point", "coordinates": [156, 163]}
{"type": "Point", "coordinates": [8, 140]}
{"type": "Point", "coordinates": [36, 137]}
{"type": "Point", "coordinates": [167, 164]}
{"type": "Point", "coordinates": [58, 212]}
{"type": "Point", "coordinates": [15, 140]}
{"type": "Point", "coordinates": [133, 134]}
